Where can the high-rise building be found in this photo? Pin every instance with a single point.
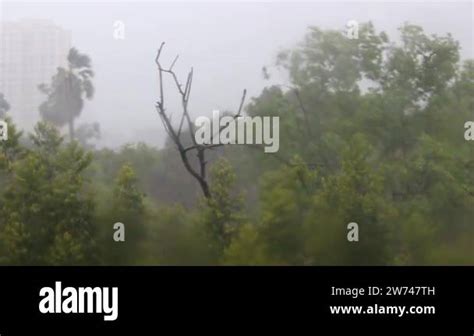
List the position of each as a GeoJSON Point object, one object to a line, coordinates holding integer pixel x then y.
{"type": "Point", "coordinates": [30, 53]}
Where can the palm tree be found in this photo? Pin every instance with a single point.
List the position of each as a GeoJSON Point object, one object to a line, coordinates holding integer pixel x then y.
{"type": "Point", "coordinates": [65, 94]}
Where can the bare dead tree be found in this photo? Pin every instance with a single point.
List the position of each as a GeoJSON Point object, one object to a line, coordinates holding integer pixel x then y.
{"type": "Point", "coordinates": [175, 134]}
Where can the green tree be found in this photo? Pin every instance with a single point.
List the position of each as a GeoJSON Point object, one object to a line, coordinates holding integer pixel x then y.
{"type": "Point", "coordinates": [127, 206]}
{"type": "Point", "coordinates": [285, 200]}
{"type": "Point", "coordinates": [278, 235]}
{"type": "Point", "coordinates": [382, 125]}
{"type": "Point", "coordinates": [10, 150]}
{"type": "Point", "coordinates": [222, 214]}
{"type": "Point", "coordinates": [177, 237]}
{"type": "Point", "coordinates": [46, 210]}
{"type": "Point", "coordinates": [247, 248]}
{"type": "Point", "coordinates": [354, 195]}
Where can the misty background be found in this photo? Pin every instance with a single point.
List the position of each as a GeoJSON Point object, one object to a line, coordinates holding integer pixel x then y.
{"type": "Point", "coordinates": [226, 43]}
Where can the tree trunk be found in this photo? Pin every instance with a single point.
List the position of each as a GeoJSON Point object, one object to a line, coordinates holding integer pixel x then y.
{"type": "Point", "coordinates": [71, 130]}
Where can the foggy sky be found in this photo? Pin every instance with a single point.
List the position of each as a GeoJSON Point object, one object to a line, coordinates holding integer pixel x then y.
{"type": "Point", "coordinates": [226, 43]}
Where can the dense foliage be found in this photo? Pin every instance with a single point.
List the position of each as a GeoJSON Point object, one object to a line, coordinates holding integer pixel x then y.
{"type": "Point", "coordinates": [371, 132]}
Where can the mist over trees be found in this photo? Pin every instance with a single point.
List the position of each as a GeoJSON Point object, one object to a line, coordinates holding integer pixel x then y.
{"type": "Point", "coordinates": [4, 106]}
{"type": "Point", "coordinates": [371, 132]}
{"type": "Point", "coordinates": [66, 93]}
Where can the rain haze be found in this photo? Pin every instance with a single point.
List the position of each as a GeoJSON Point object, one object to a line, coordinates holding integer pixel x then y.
{"type": "Point", "coordinates": [227, 44]}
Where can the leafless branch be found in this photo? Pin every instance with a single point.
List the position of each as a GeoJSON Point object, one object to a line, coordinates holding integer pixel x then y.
{"type": "Point", "coordinates": [199, 173]}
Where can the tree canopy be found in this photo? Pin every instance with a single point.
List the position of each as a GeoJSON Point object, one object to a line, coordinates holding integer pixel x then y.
{"type": "Point", "coordinates": [371, 132]}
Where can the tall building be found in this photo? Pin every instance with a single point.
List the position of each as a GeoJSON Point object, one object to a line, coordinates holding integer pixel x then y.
{"type": "Point", "coordinates": [30, 53]}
